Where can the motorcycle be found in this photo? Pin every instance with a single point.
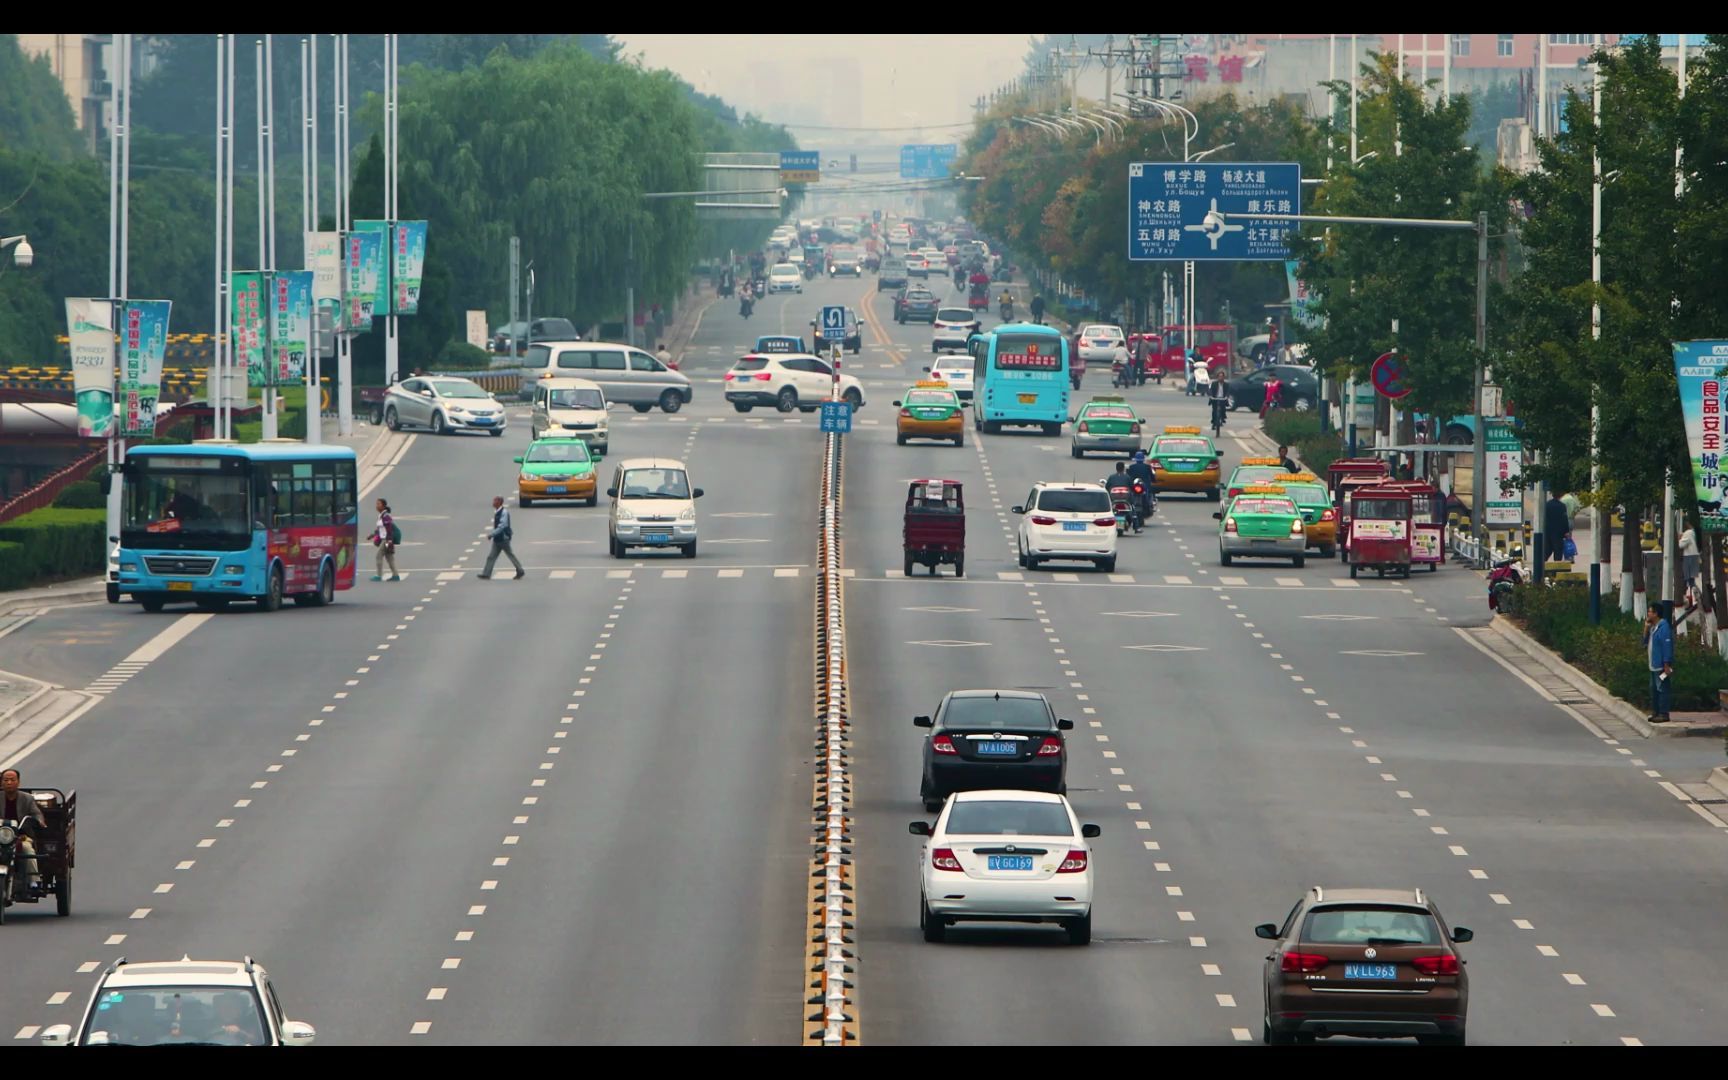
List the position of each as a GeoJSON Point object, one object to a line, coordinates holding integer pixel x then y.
{"type": "Point", "coordinates": [1007, 310]}
{"type": "Point", "coordinates": [1502, 580]}
{"type": "Point", "coordinates": [809, 270]}
{"type": "Point", "coordinates": [1074, 375]}
{"type": "Point", "coordinates": [1121, 375]}
{"type": "Point", "coordinates": [1122, 505]}
{"type": "Point", "coordinates": [1145, 504]}
{"type": "Point", "coordinates": [746, 305]}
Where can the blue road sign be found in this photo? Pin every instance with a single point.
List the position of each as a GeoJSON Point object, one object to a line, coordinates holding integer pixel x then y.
{"type": "Point", "coordinates": [876, 215]}
{"type": "Point", "coordinates": [1168, 203]}
{"type": "Point", "coordinates": [837, 417]}
{"type": "Point", "coordinates": [926, 161]}
{"type": "Point", "coordinates": [800, 166]}
{"type": "Point", "coordinates": [833, 323]}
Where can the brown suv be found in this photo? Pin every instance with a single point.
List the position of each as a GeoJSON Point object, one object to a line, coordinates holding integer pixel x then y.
{"type": "Point", "coordinates": [1375, 963]}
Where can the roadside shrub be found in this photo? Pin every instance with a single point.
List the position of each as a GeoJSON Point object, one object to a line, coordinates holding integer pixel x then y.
{"type": "Point", "coordinates": [1613, 652]}
{"type": "Point", "coordinates": [82, 495]}
{"type": "Point", "coordinates": [13, 573]}
{"type": "Point", "coordinates": [458, 355]}
{"type": "Point", "coordinates": [52, 544]}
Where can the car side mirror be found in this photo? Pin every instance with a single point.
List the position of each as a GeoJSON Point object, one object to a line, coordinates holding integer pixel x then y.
{"type": "Point", "coordinates": [1017, 510]}
{"type": "Point", "coordinates": [919, 828]}
{"type": "Point", "coordinates": [921, 721]}
{"type": "Point", "coordinates": [696, 494]}
{"type": "Point", "coordinates": [1218, 515]}
{"type": "Point", "coordinates": [425, 393]}
{"type": "Point", "coordinates": [113, 539]}
{"type": "Point", "coordinates": [57, 1035]}
{"type": "Point", "coordinates": [1091, 832]}
{"type": "Point", "coordinates": [1064, 724]}
{"type": "Point", "coordinates": [1267, 930]}
{"type": "Point", "coordinates": [1218, 453]}
{"type": "Point", "coordinates": [612, 493]}
{"type": "Point", "coordinates": [1462, 934]}
{"type": "Point", "coordinates": [926, 371]}
{"type": "Point", "coordinates": [517, 460]}
{"type": "Point", "coordinates": [298, 1033]}
{"type": "Point", "coordinates": [897, 404]}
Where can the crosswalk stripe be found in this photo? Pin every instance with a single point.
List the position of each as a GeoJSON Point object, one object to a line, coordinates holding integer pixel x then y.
{"type": "Point", "coordinates": [617, 575]}
{"type": "Point", "coordinates": [1122, 579]}
{"type": "Point", "coordinates": [785, 571]}
{"type": "Point", "coordinates": [731, 573]}
{"type": "Point", "coordinates": [893, 573]}
{"type": "Point", "coordinates": [1066, 577]}
{"type": "Point", "coordinates": [1010, 575]}
{"type": "Point", "coordinates": [1232, 581]}
{"type": "Point", "coordinates": [1289, 582]}
{"type": "Point", "coordinates": [674, 573]}
{"type": "Point", "coordinates": [563, 575]}
{"type": "Point", "coordinates": [1345, 583]}
{"type": "Point", "coordinates": [1177, 579]}
{"type": "Point", "coordinates": [848, 573]}
{"type": "Point", "coordinates": [450, 575]}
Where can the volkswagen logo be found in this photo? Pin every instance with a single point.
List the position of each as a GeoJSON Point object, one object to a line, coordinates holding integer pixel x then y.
{"type": "Point", "coordinates": [1370, 953]}
{"type": "Point", "coordinates": [1010, 848]}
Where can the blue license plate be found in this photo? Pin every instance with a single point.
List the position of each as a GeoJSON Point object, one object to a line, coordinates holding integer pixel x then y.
{"type": "Point", "coordinates": [995, 748]}
{"type": "Point", "coordinates": [556, 489]}
{"type": "Point", "coordinates": [1073, 526]}
{"type": "Point", "coordinates": [1008, 862]}
{"type": "Point", "coordinates": [656, 538]}
{"type": "Point", "coordinates": [1184, 466]}
{"type": "Point", "coordinates": [484, 421]}
{"type": "Point", "coordinates": [1371, 971]}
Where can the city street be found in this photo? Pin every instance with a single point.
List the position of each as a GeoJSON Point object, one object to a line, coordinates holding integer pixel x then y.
{"type": "Point", "coordinates": [576, 808]}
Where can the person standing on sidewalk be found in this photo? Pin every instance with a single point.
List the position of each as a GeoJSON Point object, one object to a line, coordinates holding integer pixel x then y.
{"type": "Point", "coordinates": [1038, 310]}
{"type": "Point", "coordinates": [501, 534]}
{"type": "Point", "coordinates": [385, 537]}
{"type": "Point", "coordinates": [1689, 563]}
{"type": "Point", "coordinates": [1659, 643]}
{"type": "Point", "coordinates": [1556, 527]}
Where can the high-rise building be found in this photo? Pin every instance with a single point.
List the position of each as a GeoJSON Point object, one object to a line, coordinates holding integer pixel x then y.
{"type": "Point", "coordinates": [81, 63]}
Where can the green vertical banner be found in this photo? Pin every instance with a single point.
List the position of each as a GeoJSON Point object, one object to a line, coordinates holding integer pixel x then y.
{"type": "Point", "coordinates": [362, 270]}
{"type": "Point", "coordinates": [246, 305]}
{"type": "Point", "coordinates": [90, 328]}
{"type": "Point", "coordinates": [407, 261]}
{"type": "Point", "coordinates": [1503, 492]}
{"type": "Point", "coordinates": [385, 263]}
{"type": "Point", "coordinates": [290, 324]}
{"type": "Point", "coordinates": [143, 343]}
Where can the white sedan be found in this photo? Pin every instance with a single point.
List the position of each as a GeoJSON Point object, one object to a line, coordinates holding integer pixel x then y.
{"type": "Point", "coordinates": [955, 369]}
{"type": "Point", "coordinates": [784, 277]}
{"type": "Point", "coordinates": [444, 404]}
{"type": "Point", "coordinates": [1005, 856]}
{"type": "Point", "coordinates": [1098, 342]}
{"type": "Point", "coordinates": [1067, 521]}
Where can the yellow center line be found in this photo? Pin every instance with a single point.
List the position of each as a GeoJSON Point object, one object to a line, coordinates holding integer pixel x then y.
{"type": "Point", "coordinates": [896, 352]}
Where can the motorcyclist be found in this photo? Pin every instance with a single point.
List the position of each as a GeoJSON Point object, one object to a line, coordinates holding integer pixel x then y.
{"type": "Point", "coordinates": [1122, 366]}
{"type": "Point", "coordinates": [1119, 483]}
{"type": "Point", "coordinates": [20, 806]}
{"type": "Point", "coordinates": [980, 282]}
{"type": "Point", "coordinates": [1217, 393]}
{"type": "Point", "coordinates": [1143, 471]}
{"type": "Point", "coordinates": [1007, 306]}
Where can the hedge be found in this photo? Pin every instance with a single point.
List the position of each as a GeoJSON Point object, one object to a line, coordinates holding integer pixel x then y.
{"type": "Point", "coordinates": [1301, 430]}
{"type": "Point", "coordinates": [82, 495]}
{"type": "Point", "coordinates": [1613, 652]}
{"type": "Point", "coordinates": [459, 355]}
{"type": "Point", "coordinates": [52, 544]}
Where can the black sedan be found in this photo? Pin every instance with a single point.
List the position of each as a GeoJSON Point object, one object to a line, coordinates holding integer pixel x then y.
{"type": "Point", "coordinates": [1301, 388]}
{"type": "Point", "coordinates": [915, 303]}
{"type": "Point", "coordinates": [985, 739]}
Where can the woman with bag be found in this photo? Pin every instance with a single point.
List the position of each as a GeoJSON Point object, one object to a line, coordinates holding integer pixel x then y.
{"type": "Point", "coordinates": [385, 537]}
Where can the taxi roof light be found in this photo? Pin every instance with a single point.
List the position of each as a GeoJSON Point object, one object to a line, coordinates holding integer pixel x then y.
{"type": "Point", "coordinates": [1264, 489]}
{"type": "Point", "coordinates": [930, 384]}
{"type": "Point", "coordinates": [1181, 430]}
{"type": "Point", "coordinates": [1262, 461]}
{"type": "Point", "coordinates": [1113, 398]}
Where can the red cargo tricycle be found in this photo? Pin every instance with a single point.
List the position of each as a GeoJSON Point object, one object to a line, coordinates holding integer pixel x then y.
{"type": "Point", "coordinates": [934, 531]}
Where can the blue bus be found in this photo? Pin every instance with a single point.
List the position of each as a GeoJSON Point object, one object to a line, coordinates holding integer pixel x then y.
{"type": "Point", "coordinates": [211, 522]}
{"type": "Point", "coordinates": [1019, 377]}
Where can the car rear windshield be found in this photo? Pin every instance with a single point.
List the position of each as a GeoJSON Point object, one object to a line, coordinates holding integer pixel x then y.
{"type": "Point", "coordinates": [1109, 412]}
{"type": "Point", "coordinates": [1371, 926]}
{"type": "Point", "coordinates": [1380, 509]}
{"type": "Point", "coordinates": [955, 314]}
{"type": "Point", "coordinates": [1183, 446]}
{"type": "Point", "coordinates": [1308, 494]}
{"type": "Point", "coordinates": [1256, 474]}
{"type": "Point", "coordinates": [997, 714]}
{"type": "Point", "coordinates": [558, 451]}
{"type": "Point", "coordinates": [1101, 331]}
{"type": "Point", "coordinates": [930, 397]}
{"type": "Point", "coordinates": [1263, 506]}
{"type": "Point", "coordinates": [459, 388]}
{"type": "Point", "coordinates": [1089, 501]}
{"type": "Point", "coordinates": [754, 364]}
{"type": "Point", "coordinates": [785, 268]}
{"type": "Point", "coordinates": [1009, 819]}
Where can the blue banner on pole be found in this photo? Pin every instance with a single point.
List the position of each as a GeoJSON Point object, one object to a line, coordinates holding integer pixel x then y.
{"type": "Point", "coordinates": [800, 166]}
{"type": "Point", "coordinates": [1169, 204]}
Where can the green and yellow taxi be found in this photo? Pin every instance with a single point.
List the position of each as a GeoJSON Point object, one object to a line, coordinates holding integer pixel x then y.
{"type": "Point", "coordinates": [1318, 517]}
{"type": "Point", "coordinates": [930, 409]}
{"type": "Point", "coordinates": [556, 469]}
{"type": "Point", "coordinates": [1185, 460]}
{"type": "Point", "coordinates": [1262, 522]}
{"type": "Point", "coordinates": [1254, 470]}
{"type": "Point", "coordinates": [1106, 424]}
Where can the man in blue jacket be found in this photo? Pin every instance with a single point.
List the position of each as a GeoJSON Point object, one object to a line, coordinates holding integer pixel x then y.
{"type": "Point", "coordinates": [1659, 641]}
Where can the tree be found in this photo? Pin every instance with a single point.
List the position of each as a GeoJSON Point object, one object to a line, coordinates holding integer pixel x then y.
{"type": "Point", "coordinates": [35, 116]}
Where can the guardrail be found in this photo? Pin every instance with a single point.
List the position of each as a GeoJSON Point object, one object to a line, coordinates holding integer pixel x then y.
{"type": "Point", "coordinates": [831, 891]}
{"type": "Point", "coordinates": [44, 493]}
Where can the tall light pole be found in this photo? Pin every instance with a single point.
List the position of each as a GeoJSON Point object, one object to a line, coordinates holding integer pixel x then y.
{"type": "Point", "coordinates": [390, 111]}
{"type": "Point", "coordinates": [1599, 540]}
{"type": "Point", "coordinates": [1355, 74]}
{"type": "Point", "coordinates": [268, 393]}
{"type": "Point", "coordinates": [344, 223]}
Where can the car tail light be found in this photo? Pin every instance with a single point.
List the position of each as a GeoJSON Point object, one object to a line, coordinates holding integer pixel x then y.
{"type": "Point", "coordinates": [1050, 745]}
{"type": "Point", "coordinates": [943, 859]}
{"type": "Point", "coordinates": [1134, 428]}
{"type": "Point", "coordinates": [906, 413]}
{"type": "Point", "coordinates": [763, 376]}
{"type": "Point", "coordinates": [942, 744]}
{"type": "Point", "coordinates": [1235, 491]}
{"type": "Point", "coordinates": [1229, 524]}
{"type": "Point", "coordinates": [1328, 515]}
{"type": "Point", "coordinates": [1106, 522]}
{"type": "Point", "coordinates": [1301, 963]}
{"type": "Point", "coordinates": [1296, 527]}
{"type": "Point", "coordinates": [1444, 964]}
{"type": "Point", "coordinates": [730, 375]}
{"type": "Point", "coordinates": [1073, 863]}
{"type": "Point", "coordinates": [1083, 428]}
{"type": "Point", "coordinates": [1040, 519]}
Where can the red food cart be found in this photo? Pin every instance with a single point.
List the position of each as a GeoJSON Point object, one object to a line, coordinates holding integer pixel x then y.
{"type": "Point", "coordinates": [1380, 529]}
{"type": "Point", "coordinates": [1372, 466]}
{"type": "Point", "coordinates": [1342, 491]}
{"type": "Point", "coordinates": [934, 529]}
{"type": "Point", "coordinates": [1427, 522]}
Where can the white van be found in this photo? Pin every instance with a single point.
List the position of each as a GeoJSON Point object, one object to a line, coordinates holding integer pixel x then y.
{"type": "Point", "coordinates": [628, 376]}
{"type": "Point", "coordinates": [571, 407]}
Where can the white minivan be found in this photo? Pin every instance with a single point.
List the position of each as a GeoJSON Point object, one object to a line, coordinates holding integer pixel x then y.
{"type": "Point", "coordinates": [571, 407]}
{"type": "Point", "coordinates": [653, 505]}
{"type": "Point", "coordinates": [628, 375]}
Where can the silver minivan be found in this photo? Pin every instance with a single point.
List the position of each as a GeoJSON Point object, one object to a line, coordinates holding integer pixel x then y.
{"type": "Point", "coordinates": [571, 407]}
{"type": "Point", "coordinates": [627, 375]}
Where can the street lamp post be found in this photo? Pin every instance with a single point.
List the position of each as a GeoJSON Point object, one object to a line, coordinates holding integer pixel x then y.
{"type": "Point", "coordinates": [1478, 516]}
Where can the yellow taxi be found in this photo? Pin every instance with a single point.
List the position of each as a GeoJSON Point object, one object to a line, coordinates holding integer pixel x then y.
{"type": "Point", "coordinates": [1185, 461]}
{"type": "Point", "coordinates": [930, 410]}
{"type": "Point", "coordinates": [1315, 501]}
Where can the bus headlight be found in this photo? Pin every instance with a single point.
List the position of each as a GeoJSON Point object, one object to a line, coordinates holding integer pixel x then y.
{"type": "Point", "coordinates": [234, 570]}
{"type": "Point", "coordinates": [129, 568]}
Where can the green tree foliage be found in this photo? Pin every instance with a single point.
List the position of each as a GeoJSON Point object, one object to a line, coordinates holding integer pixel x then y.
{"type": "Point", "coordinates": [35, 116]}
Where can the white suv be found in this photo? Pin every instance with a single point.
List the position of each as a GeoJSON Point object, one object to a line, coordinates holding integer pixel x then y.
{"type": "Point", "coordinates": [785, 277]}
{"type": "Point", "coordinates": [787, 382]}
{"type": "Point", "coordinates": [1067, 521]}
{"type": "Point", "coordinates": [183, 1002]}
{"type": "Point", "coordinates": [952, 328]}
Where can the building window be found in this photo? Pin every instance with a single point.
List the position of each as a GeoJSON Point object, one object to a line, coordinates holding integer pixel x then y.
{"type": "Point", "coordinates": [1460, 44]}
{"type": "Point", "coordinates": [1568, 39]}
{"type": "Point", "coordinates": [1503, 45]}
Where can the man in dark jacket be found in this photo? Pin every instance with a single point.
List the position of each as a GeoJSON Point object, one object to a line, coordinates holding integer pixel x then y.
{"type": "Point", "coordinates": [1038, 310]}
{"type": "Point", "coordinates": [1285, 460]}
{"type": "Point", "coordinates": [1556, 527]}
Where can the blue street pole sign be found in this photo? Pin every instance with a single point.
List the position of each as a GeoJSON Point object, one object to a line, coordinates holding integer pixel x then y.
{"type": "Point", "coordinates": [927, 161]}
{"type": "Point", "coordinates": [876, 215]}
{"type": "Point", "coordinates": [837, 417]}
{"type": "Point", "coordinates": [1168, 203]}
{"type": "Point", "coordinates": [800, 166]}
{"type": "Point", "coordinates": [834, 323]}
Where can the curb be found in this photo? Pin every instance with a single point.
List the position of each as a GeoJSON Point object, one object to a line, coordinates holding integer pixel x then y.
{"type": "Point", "coordinates": [1579, 681]}
{"type": "Point", "coordinates": [84, 592]}
{"type": "Point", "coordinates": [1719, 779]}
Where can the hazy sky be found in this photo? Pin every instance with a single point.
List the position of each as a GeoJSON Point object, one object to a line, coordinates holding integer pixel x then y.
{"type": "Point", "coordinates": [876, 80]}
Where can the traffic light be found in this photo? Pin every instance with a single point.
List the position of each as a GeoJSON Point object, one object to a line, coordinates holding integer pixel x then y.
{"type": "Point", "coordinates": [854, 162]}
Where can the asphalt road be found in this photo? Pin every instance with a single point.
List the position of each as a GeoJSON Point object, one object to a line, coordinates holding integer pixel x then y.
{"type": "Point", "coordinates": [575, 808]}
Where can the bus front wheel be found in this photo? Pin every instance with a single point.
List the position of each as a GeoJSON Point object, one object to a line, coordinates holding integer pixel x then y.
{"type": "Point", "coordinates": [152, 604]}
{"type": "Point", "coordinates": [272, 598]}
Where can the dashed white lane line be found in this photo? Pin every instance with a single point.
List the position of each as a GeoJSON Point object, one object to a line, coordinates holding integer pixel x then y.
{"type": "Point", "coordinates": [1602, 1010]}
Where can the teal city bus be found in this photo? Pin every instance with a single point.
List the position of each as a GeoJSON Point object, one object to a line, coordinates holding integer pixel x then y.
{"type": "Point", "coordinates": [213, 522]}
{"type": "Point", "coordinates": [1019, 378]}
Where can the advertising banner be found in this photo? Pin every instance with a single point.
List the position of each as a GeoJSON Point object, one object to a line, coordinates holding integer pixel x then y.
{"type": "Point", "coordinates": [90, 326]}
{"type": "Point", "coordinates": [290, 324]}
{"type": "Point", "coordinates": [1301, 300]}
{"type": "Point", "coordinates": [407, 261]}
{"type": "Point", "coordinates": [1503, 491]}
{"type": "Point", "coordinates": [246, 306]}
{"type": "Point", "coordinates": [362, 271]}
{"type": "Point", "coordinates": [324, 259]}
{"type": "Point", "coordinates": [1699, 369]}
{"type": "Point", "coordinates": [143, 342]}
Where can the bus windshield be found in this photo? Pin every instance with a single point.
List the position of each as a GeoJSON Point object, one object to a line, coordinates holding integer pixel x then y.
{"type": "Point", "coordinates": [175, 509]}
